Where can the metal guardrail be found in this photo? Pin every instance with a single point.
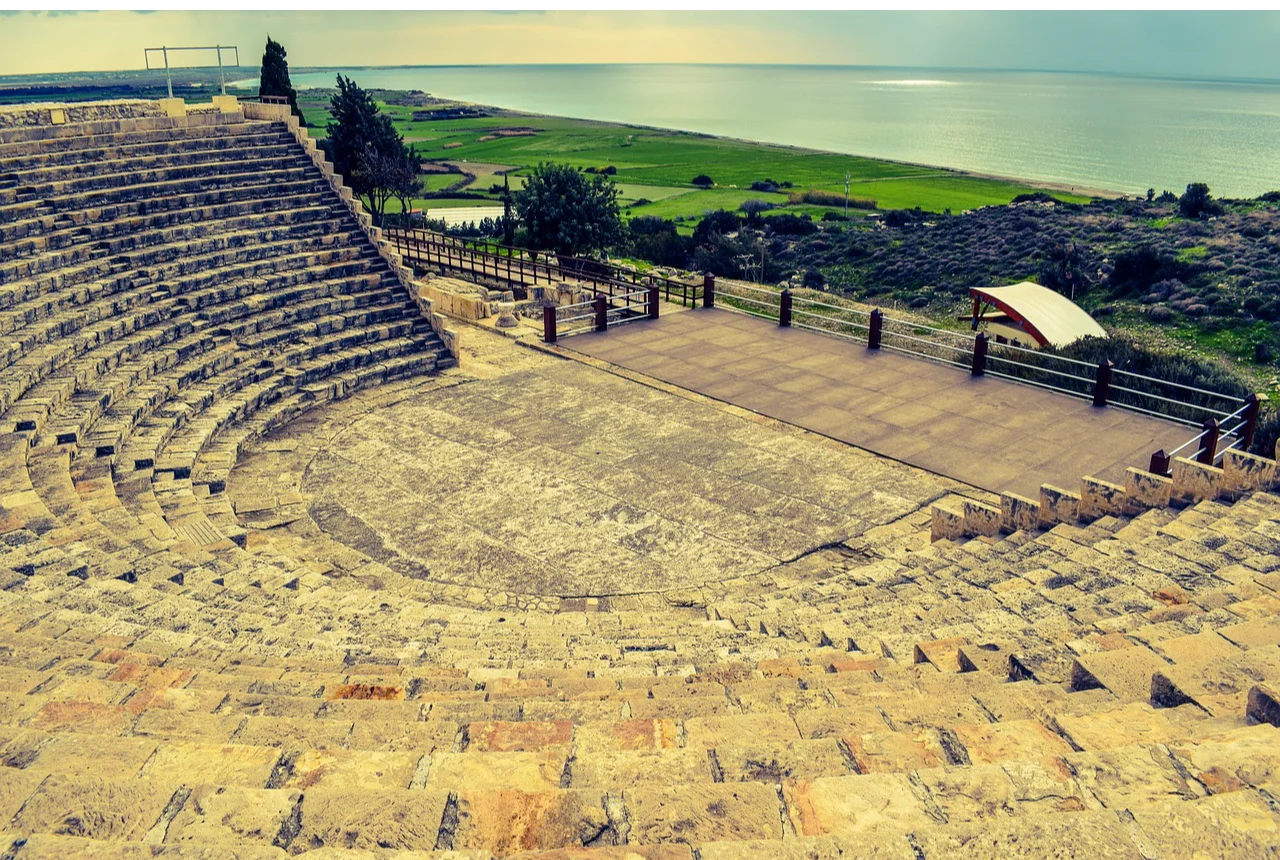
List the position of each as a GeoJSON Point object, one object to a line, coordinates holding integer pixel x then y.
{"type": "Point", "coordinates": [1184, 404]}
{"type": "Point", "coordinates": [522, 268]}
{"type": "Point", "coordinates": [978, 354]}
{"type": "Point", "coordinates": [600, 314]}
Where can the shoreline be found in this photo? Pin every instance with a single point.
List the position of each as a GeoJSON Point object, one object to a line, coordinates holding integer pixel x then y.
{"type": "Point", "coordinates": [1047, 185]}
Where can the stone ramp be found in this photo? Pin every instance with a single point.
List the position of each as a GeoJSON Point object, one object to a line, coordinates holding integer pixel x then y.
{"type": "Point", "coordinates": [987, 432]}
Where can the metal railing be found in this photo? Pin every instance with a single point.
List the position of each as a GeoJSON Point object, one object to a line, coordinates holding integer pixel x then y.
{"type": "Point", "coordinates": [1209, 447]}
{"type": "Point", "coordinates": [624, 296]}
{"type": "Point", "coordinates": [521, 268]}
{"type": "Point", "coordinates": [1101, 383]}
{"type": "Point", "coordinates": [599, 313]}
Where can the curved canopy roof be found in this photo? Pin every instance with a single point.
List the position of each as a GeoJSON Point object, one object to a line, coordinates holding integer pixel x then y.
{"type": "Point", "coordinates": [1048, 316]}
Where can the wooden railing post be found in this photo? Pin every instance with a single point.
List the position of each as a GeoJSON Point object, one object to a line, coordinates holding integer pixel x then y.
{"type": "Point", "coordinates": [784, 309]}
{"type": "Point", "coordinates": [549, 324]}
{"type": "Point", "coordinates": [602, 312]}
{"type": "Point", "coordinates": [1209, 442]}
{"type": "Point", "coordinates": [1253, 409]}
{"type": "Point", "coordinates": [653, 301]}
{"type": "Point", "coordinates": [1159, 463]}
{"type": "Point", "coordinates": [708, 290]}
{"type": "Point", "coordinates": [875, 329]}
{"type": "Point", "coordinates": [979, 354]}
{"type": "Point", "coordinates": [1102, 383]}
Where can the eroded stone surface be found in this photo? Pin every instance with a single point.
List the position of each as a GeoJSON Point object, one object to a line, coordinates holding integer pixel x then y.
{"type": "Point", "coordinates": [94, 807]}
{"type": "Point", "coordinates": [853, 804]}
{"type": "Point", "coordinates": [1080, 836]}
{"type": "Point", "coordinates": [616, 471]}
{"type": "Point", "coordinates": [507, 821]}
{"type": "Point", "coordinates": [406, 820]}
{"type": "Point", "coordinates": [704, 813]}
{"type": "Point", "coordinates": [216, 815]}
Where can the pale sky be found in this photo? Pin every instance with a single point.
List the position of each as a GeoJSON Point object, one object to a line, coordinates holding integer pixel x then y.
{"type": "Point", "coordinates": [1215, 44]}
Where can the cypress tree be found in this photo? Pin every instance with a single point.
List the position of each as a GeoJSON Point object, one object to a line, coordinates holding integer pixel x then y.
{"type": "Point", "coordinates": [275, 77]}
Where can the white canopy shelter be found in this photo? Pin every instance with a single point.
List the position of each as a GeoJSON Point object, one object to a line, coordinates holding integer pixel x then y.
{"type": "Point", "coordinates": [1045, 316]}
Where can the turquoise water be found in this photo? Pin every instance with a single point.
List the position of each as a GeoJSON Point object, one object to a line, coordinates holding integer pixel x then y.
{"type": "Point", "coordinates": [1099, 131]}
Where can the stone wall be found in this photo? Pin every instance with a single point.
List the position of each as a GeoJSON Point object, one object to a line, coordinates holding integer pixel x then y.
{"type": "Point", "coordinates": [58, 113]}
{"type": "Point", "coordinates": [1191, 482]}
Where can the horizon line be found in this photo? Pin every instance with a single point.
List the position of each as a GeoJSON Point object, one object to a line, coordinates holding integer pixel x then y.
{"type": "Point", "coordinates": [984, 69]}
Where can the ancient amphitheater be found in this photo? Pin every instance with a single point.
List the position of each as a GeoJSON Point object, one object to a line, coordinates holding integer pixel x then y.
{"type": "Point", "coordinates": [289, 569]}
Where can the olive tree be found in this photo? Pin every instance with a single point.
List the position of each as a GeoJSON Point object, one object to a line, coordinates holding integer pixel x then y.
{"type": "Point", "coordinates": [564, 211]}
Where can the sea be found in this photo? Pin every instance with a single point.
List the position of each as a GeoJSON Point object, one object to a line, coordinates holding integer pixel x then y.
{"type": "Point", "coordinates": [1095, 131]}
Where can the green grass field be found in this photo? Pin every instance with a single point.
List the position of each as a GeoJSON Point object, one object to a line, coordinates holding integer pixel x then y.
{"type": "Point", "coordinates": [659, 165]}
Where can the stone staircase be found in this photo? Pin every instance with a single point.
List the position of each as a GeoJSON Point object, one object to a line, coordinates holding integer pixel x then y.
{"type": "Point", "coordinates": [173, 683]}
{"type": "Point", "coordinates": [161, 282]}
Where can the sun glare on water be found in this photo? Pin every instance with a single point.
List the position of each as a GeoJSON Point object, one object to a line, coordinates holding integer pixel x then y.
{"type": "Point", "coordinates": [915, 82]}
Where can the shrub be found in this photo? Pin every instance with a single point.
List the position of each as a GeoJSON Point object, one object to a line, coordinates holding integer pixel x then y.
{"type": "Point", "coordinates": [1197, 203]}
{"type": "Point", "coordinates": [643, 201]}
{"type": "Point", "coordinates": [903, 217]}
{"type": "Point", "coordinates": [818, 197]}
{"type": "Point", "coordinates": [610, 171]}
{"type": "Point", "coordinates": [755, 207]}
{"type": "Point", "coordinates": [791, 225]}
{"type": "Point", "coordinates": [834, 216]}
{"type": "Point", "coordinates": [720, 222]}
{"type": "Point", "coordinates": [813, 279]}
{"type": "Point", "coordinates": [766, 185]}
{"type": "Point", "coordinates": [703, 181]}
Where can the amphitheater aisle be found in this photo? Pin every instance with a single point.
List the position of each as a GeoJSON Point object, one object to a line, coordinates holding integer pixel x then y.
{"type": "Point", "coordinates": [244, 489]}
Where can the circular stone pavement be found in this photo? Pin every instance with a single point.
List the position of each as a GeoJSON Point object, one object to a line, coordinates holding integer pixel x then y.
{"type": "Point", "coordinates": [569, 481]}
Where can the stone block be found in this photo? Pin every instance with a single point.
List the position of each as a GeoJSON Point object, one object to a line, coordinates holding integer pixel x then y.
{"type": "Point", "coordinates": [946, 524]}
{"type": "Point", "coordinates": [980, 520]}
{"type": "Point", "coordinates": [1235, 824]}
{"type": "Point", "coordinates": [1018, 513]}
{"type": "Point", "coordinates": [226, 104]}
{"type": "Point", "coordinates": [1196, 482]}
{"type": "Point", "coordinates": [845, 804]}
{"type": "Point", "coordinates": [1243, 472]}
{"type": "Point", "coordinates": [1146, 490]}
{"type": "Point", "coordinates": [1099, 498]}
{"type": "Point", "coordinates": [1126, 672]}
{"type": "Point", "coordinates": [619, 770]}
{"type": "Point", "coordinates": [368, 820]}
{"type": "Point", "coordinates": [942, 653]}
{"type": "Point", "coordinates": [173, 107]}
{"type": "Point", "coordinates": [704, 812]}
{"type": "Point", "coordinates": [1058, 505]}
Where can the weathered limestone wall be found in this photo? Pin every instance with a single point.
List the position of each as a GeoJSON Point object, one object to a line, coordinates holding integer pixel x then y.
{"type": "Point", "coordinates": [58, 113]}
{"type": "Point", "coordinates": [1191, 482]}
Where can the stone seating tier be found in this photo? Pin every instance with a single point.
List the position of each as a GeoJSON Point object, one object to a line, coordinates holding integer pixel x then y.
{"type": "Point", "coordinates": [191, 667]}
